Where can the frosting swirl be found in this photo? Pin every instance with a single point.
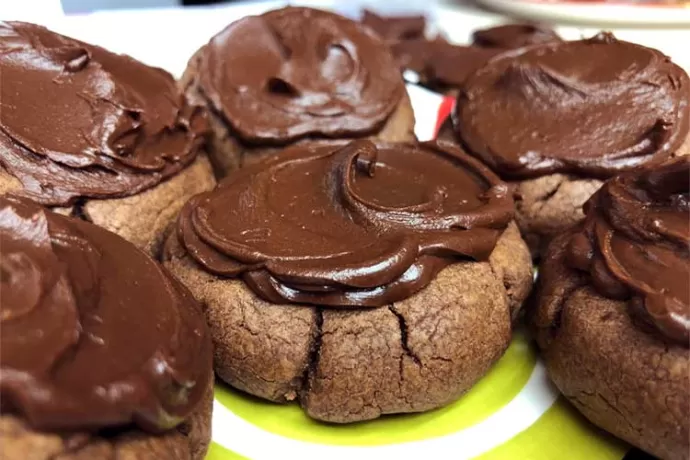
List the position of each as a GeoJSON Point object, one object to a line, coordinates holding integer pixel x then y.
{"type": "Point", "coordinates": [354, 225]}
{"type": "Point", "coordinates": [594, 107]}
{"type": "Point", "coordinates": [509, 36]}
{"type": "Point", "coordinates": [79, 121]}
{"type": "Point", "coordinates": [95, 334]}
{"type": "Point", "coordinates": [295, 72]}
{"type": "Point", "coordinates": [635, 244]}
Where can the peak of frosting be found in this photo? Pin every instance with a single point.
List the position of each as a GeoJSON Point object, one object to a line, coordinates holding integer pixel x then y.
{"type": "Point", "coordinates": [635, 244]}
{"type": "Point", "coordinates": [95, 334]}
{"type": "Point", "coordinates": [295, 72]}
{"type": "Point", "coordinates": [595, 107]}
{"type": "Point", "coordinates": [79, 121]}
{"type": "Point", "coordinates": [355, 225]}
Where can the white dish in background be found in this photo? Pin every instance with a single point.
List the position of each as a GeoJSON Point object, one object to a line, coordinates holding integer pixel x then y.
{"type": "Point", "coordinates": [600, 13]}
{"type": "Point", "coordinates": [457, 21]}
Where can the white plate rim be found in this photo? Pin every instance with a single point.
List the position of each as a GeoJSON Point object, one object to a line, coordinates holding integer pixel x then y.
{"type": "Point", "coordinates": [618, 14]}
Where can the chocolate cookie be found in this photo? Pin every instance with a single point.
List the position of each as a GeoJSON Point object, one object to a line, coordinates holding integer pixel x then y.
{"type": "Point", "coordinates": [103, 353]}
{"type": "Point", "coordinates": [612, 315]}
{"type": "Point", "coordinates": [358, 279]}
{"type": "Point", "coordinates": [442, 66]}
{"type": "Point", "coordinates": [296, 75]}
{"type": "Point", "coordinates": [97, 135]}
{"type": "Point", "coordinates": [558, 118]}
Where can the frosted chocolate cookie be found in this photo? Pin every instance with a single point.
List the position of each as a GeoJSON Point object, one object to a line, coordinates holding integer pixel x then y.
{"type": "Point", "coordinates": [387, 271]}
{"type": "Point", "coordinates": [103, 353]}
{"type": "Point", "coordinates": [557, 119]}
{"type": "Point", "coordinates": [439, 65]}
{"type": "Point", "coordinates": [296, 75]}
{"type": "Point", "coordinates": [443, 66]}
{"type": "Point", "coordinates": [612, 315]}
{"type": "Point", "coordinates": [97, 135]}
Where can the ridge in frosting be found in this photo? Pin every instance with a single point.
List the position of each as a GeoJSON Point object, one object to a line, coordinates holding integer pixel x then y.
{"type": "Point", "coordinates": [297, 72]}
{"type": "Point", "coordinates": [78, 121]}
{"type": "Point", "coordinates": [93, 333]}
{"type": "Point", "coordinates": [350, 225]}
{"type": "Point", "coordinates": [635, 245]}
{"type": "Point", "coordinates": [594, 107]}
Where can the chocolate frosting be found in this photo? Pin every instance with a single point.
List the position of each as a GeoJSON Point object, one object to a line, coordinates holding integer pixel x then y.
{"type": "Point", "coordinates": [353, 225]}
{"type": "Point", "coordinates": [395, 27]}
{"type": "Point", "coordinates": [509, 36]}
{"type": "Point", "coordinates": [635, 244]}
{"type": "Point", "coordinates": [299, 72]}
{"type": "Point", "coordinates": [593, 107]}
{"type": "Point", "coordinates": [94, 333]}
{"type": "Point", "coordinates": [79, 121]}
{"type": "Point", "coordinates": [439, 64]}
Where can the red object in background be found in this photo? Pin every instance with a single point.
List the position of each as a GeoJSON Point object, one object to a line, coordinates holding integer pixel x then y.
{"type": "Point", "coordinates": [443, 111]}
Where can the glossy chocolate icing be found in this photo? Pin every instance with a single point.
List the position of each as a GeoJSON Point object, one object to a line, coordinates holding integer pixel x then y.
{"type": "Point", "coordinates": [297, 72]}
{"type": "Point", "coordinates": [594, 107]}
{"type": "Point", "coordinates": [393, 28]}
{"type": "Point", "coordinates": [94, 333]}
{"type": "Point", "coordinates": [352, 225]}
{"type": "Point", "coordinates": [635, 244]}
{"type": "Point", "coordinates": [79, 121]}
{"type": "Point", "coordinates": [509, 36]}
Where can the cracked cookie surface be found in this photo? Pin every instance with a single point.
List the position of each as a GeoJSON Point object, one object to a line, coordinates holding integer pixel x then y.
{"type": "Point", "coordinates": [358, 364]}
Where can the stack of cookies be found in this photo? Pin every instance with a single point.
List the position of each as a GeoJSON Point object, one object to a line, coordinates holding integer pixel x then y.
{"type": "Point", "coordinates": [103, 353]}
{"type": "Point", "coordinates": [338, 263]}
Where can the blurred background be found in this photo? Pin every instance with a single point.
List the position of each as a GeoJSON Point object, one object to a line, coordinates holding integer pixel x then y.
{"type": "Point", "coordinates": [174, 29]}
{"type": "Point", "coordinates": [81, 6]}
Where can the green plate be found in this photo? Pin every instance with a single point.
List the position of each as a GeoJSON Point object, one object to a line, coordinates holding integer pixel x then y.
{"type": "Point", "coordinates": [513, 412]}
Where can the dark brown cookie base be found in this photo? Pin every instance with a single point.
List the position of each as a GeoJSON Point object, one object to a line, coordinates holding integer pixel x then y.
{"type": "Point", "coordinates": [189, 441]}
{"type": "Point", "coordinates": [228, 153]}
{"type": "Point", "coordinates": [622, 377]}
{"type": "Point", "coordinates": [141, 219]}
{"type": "Point", "coordinates": [352, 365]}
{"type": "Point", "coordinates": [547, 206]}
